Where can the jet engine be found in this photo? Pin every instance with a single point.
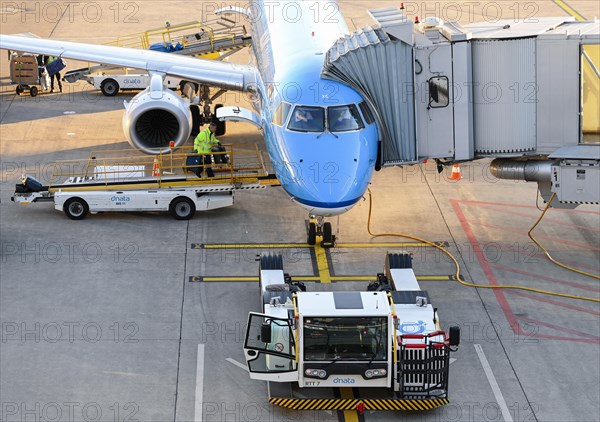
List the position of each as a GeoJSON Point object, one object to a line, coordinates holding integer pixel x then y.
{"type": "Point", "coordinates": [155, 117]}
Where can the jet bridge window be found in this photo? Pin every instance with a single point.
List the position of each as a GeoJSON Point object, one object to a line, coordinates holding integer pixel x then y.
{"type": "Point", "coordinates": [281, 114]}
{"type": "Point", "coordinates": [308, 119]}
{"type": "Point", "coordinates": [344, 118]}
{"type": "Point", "coordinates": [438, 92]}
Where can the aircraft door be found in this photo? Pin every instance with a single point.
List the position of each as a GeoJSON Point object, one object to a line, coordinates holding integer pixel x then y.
{"type": "Point", "coordinates": [270, 349]}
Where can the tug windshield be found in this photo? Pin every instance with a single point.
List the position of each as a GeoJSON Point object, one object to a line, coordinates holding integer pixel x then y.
{"type": "Point", "coordinates": [345, 338]}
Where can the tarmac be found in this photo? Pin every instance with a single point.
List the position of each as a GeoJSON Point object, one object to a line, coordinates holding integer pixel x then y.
{"type": "Point", "coordinates": [136, 316]}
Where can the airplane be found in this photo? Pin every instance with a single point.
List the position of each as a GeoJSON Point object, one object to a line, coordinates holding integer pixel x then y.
{"type": "Point", "coordinates": [322, 142]}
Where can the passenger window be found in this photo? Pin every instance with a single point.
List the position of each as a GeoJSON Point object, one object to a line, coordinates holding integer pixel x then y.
{"type": "Point", "coordinates": [438, 92]}
{"type": "Point", "coordinates": [307, 119]}
{"type": "Point", "coordinates": [281, 114]}
{"type": "Point", "coordinates": [344, 119]}
{"type": "Point", "coordinates": [366, 111]}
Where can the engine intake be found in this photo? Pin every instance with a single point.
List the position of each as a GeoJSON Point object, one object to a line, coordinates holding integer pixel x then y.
{"type": "Point", "coordinates": [152, 121]}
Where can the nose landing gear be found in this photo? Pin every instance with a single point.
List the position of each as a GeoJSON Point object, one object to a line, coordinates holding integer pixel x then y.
{"type": "Point", "coordinates": [317, 228]}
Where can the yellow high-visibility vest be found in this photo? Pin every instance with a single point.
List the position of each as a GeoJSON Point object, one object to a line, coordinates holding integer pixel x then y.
{"type": "Point", "coordinates": [205, 141]}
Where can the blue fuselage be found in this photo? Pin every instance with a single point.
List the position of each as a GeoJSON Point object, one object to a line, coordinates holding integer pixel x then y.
{"type": "Point", "coordinates": [325, 170]}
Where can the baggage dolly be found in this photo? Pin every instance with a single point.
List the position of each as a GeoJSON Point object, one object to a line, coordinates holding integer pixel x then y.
{"type": "Point", "coordinates": [24, 71]}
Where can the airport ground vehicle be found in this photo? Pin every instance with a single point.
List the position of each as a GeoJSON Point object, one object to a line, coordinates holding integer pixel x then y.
{"type": "Point", "coordinates": [128, 181]}
{"type": "Point", "coordinates": [387, 338]}
{"type": "Point", "coordinates": [111, 84]}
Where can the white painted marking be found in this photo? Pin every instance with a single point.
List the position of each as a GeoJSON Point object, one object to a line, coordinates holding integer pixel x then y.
{"type": "Point", "coordinates": [199, 383]}
{"type": "Point", "coordinates": [236, 363]}
{"type": "Point", "coordinates": [452, 360]}
{"type": "Point", "coordinates": [69, 112]}
{"type": "Point", "coordinates": [493, 383]}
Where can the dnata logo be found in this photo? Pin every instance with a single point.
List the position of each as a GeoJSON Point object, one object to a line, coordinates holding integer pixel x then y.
{"type": "Point", "coordinates": [120, 199]}
{"type": "Point", "coordinates": [132, 81]}
{"type": "Point", "coordinates": [344, 381]}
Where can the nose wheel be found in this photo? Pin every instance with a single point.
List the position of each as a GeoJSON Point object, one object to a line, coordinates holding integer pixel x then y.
{"type": "Point", "coordinates": [320, 230]}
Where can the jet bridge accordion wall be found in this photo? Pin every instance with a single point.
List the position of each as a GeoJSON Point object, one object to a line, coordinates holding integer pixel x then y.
{"type": "Point", "coordinates": [373, 64]}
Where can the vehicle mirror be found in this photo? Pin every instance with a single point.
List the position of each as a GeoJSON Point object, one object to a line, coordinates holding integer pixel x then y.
{"type": "Point", "coordinates": [454, 336]}
{"type": "Point", "coordinates": [265, 332]}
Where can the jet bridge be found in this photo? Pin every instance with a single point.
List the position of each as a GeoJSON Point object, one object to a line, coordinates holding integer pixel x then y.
{"type": "Point", "coordinates": [509, 89]}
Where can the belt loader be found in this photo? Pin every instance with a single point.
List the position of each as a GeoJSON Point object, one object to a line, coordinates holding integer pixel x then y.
{"type": "Point", "coordinates": [387, 337]}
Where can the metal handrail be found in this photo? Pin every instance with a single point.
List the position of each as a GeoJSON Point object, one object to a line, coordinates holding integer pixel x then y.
{"type": "Point", "coordinates": [115, 165]}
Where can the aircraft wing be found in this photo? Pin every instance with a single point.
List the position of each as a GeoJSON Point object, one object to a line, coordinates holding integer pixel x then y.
{"type": "Point", "coordinates": [219, 74]}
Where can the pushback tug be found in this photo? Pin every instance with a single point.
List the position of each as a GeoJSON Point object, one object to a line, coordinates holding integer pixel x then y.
{"type": "Point", "coordinates": [387, 337]}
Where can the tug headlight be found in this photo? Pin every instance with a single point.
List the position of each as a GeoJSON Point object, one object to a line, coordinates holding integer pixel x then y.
{"type": "Point", "coordinates": [315, 373]}
{"type": "Point", "coordinates": [375, 373]}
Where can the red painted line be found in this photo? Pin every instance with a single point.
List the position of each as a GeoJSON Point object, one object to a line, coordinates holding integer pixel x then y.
{"type": "Point", "coordinates": [539, 236]}
{"type": "Point", "coordinates": [541, 277]}
{"type": "Point", "coordinates": [554, 302]}
{"type": "Point", "coordinates": [550, 220]}
{"type": "Point", "coordinates": [485, 266]}
{"type": "Point", "coordinates": [573, 339]}
{"type": "Point", "coordinates": [560, 328]}
{"type": "Point", "coordinates": [538, 255]}
{"type": "Point", "coordinates": [499, 204]}
{"type": "Point", "coordinates": [502, 301]}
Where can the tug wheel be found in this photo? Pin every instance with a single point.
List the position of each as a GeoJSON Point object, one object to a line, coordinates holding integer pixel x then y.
{"type": "Point", "coordinates": [76, 208]}
{"type": "Point", "coordinates": [182, 208]}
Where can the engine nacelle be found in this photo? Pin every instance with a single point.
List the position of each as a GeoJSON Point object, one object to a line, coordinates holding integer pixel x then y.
{"type": "Point", "coordinates": [155, 118]}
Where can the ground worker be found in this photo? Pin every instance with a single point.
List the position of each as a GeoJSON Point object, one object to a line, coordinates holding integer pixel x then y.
{"type": "Point", "coordinates": [54, 75]}
{"type": "Point", "coordinates": [203, 145]}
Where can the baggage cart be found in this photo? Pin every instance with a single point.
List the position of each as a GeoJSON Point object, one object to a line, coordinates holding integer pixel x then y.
{"type": "Point", "coordinates": [27, 74]}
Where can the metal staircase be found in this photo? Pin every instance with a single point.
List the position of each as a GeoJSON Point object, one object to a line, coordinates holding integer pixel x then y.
{"type": "Point", "coordinates": [213, 39]}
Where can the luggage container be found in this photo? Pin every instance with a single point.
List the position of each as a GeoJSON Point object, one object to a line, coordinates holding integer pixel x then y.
{"type": "Point", "coordinates": [27, 74]}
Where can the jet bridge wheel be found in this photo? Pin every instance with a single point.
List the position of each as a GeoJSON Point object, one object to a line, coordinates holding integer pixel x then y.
{"type": "Point", "coordinates": [182, 208]}
{"type": "Point", "coordinates": [76, 208]}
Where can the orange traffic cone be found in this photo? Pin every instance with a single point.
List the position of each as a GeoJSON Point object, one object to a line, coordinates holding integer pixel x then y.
{"type": "Point", "coordinates": [456, 173]}
{"type": "Point", "coordinates": [155, 168]}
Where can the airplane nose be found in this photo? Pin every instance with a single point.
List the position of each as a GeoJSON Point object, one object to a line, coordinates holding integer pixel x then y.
{"type": "Point", "coordinates": [329, 173]}
{"type": "Point", "coordinates": [329, 185]}
{"type": "Point", "coordinates": [332, 181]}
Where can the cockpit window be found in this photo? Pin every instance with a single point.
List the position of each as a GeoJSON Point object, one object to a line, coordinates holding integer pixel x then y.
{"type": "Point", "coordinates": [307, 119]}
{"type": "Point", "coordinates": [344, 118]}
{"type": "Point", "coordinates": [281, 113]}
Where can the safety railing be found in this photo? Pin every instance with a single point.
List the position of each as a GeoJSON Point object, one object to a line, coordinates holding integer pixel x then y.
{"type": "Point", "coordinates": [185, 35]}
{"type": "Point", "coordinates": [106, 168]}
{"type": "Point", "coordinates": [423, 365]}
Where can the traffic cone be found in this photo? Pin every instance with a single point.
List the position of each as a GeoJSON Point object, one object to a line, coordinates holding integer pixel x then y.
{"type": "Point", "coordinates": [456, 173]}
{"type": "Point", "coordinates": [155, 168]}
